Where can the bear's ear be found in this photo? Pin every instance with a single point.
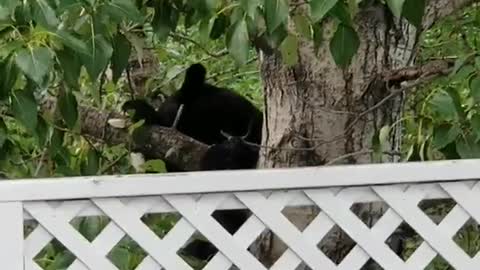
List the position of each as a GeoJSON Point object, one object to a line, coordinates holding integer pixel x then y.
{"type": "Point", "coordinates": [194, 77]}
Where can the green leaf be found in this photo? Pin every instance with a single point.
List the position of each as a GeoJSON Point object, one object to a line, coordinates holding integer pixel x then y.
{"type": "Point", "coordinates": [9, 48]}
{"type": "Point", "coordinates": [90, 227]}
{"type": "Point", "coordinates": [459, 63]}
{"type": "Point", "coordinates": [44, 14]}
{"type": "Point", "coordinates": [341, 12]}
{"type": "Point", "coordinates": [423, 147]}
{"type": "Point", "coordinates": [138, 44]}
{"type": "Point", "coordinates": [219, 27]}
{"type": "Point", "coordinates": [155, 165]}
{"type": "Point", "coordinates": [303, 26]}
{"type": "Point", "coordinates": [7, 7]}
{"type": "Point", "coordinates": [120, 257]}
{"type": "Point", "coordinates": [410, 151]}
{"type": "Point", "coordinates": [98, 58]}
{"type": "Point", "coordinates": [121, 9]}
{"type": "Point", "coordinates": [319, 8]}
{"type": "Point", "coordinates": [7, 148]}
{"type": "Point", "coordinates": [276, 13]}
{"type": "Point", "coordinates": [71, 66]}
{"type": "Point", "coordinates": [173, 72]}
{"type": "Point", "coordinates": [396, 7]}
{"type": "Point", "coordinates": [475, 122]}
{"type": "Point", "coordinates": [121, 53]}
{"type": "Point", "coordinates": [276, 38]}
{"type": "Point", "coordinates": [457, 102]}
{"type": "Point", "coordinates": [23, 14]}
{"type": "Point", "coordinates": [3, 133]}
{"type": "Point", "coordinates": [103, 23]}
{"type": "Point", "coordinates": [384, 137]}
{"type": "Point", "coordinates": [41, 132]}
{"type": "Point", "coordinates": [9, 76]}
{"type": "Point", "coordinates": [289, 50]}
{"type": "Point", "coordinates": [376, 147]}
{"type": "Point", "coordinates": [250, 7]}
{"type": "Point", "coordinates": [445, 134]}
{"type": "Point", "coordinates": [56, 141]}
{"type": "Point", "coordinates": [237, 41]}
{"type": "Point", "coordinates": [413, 11]}
{"type": "Point", "coordinates": [464, 74]}
{"type": "Point", "coordinates": [191, 17]}
{"type": "Point", "coordinates": [66, 5]}
{"type": "Point", "coordinates": [62, 260]}
{"type": "Point", "coordinates": [91, 166]}
{"type": "Point", "coordinates": [443, 106]}
{"type": "Point", "coordinates": [165, 19]}
{"type": "Point", "coordinates": [35, 63]}
{"type": "Point", "coordinates": [477, 63]}
{"type": "Point", "coordinates": [67, 104]}
{"type": "Point", "coordinates": [467, 147]}
{"type": "Point", "coordinates": [344, 45]}
{"type": "Point", "coordinates": [317, 36]}
{"type": "Point", "coordinates": [25, 109]}
{"type": "Point", "coordinates": [72, 42]}
{"type": "Point", "coordinates": [475, 89]}
{"type": "Point", "coordinates": [204, 7]}
{"type": "Point", "coordinates": [204, 29]}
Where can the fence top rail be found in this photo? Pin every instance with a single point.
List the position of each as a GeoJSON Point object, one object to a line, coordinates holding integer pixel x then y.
{"type": "Point", "coordinates": [234, 181]}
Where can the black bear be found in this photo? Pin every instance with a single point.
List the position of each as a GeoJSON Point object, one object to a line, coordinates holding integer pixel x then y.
{"type": "Point", "coordinates": [208, 111]}
{"type": "Point", "coordinates": [208, 114]}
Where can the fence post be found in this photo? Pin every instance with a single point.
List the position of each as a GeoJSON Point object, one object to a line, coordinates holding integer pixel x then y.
{"type": "Point", "coordinates": [11, 235]}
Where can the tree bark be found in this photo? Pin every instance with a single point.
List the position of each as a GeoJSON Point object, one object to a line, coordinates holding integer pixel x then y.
{"type": "Point", "coordinates": [316, 112]}
{"type": "Point", "coordinates": [167, 144]}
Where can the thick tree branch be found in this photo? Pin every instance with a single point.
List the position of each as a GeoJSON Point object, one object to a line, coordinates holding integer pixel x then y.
{"type": "Point", "coordinates": [437, 9]}
{"type": "Point", "coordinates": [436, 67]}
{"type": "Point", "coordinates": [159, 142]}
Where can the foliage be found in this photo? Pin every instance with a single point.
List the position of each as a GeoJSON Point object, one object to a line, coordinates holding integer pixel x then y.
{"type": "Point", "coordinates": [78, 51]}
{"type": "Point", "coordinates": [442, 119]}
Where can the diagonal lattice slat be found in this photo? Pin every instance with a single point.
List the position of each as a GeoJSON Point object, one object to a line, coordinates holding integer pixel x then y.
{"type": "Point", "coordinates": [205, 223]}
{"type": "Point", "coordinates": [339, 211]}
{"type": "Point", "coordinates": [139, 232]}
{"type": "Point", "coordinates": [406, 206]}
{"type": "Point", "coordinates": [58, 225]}
{"type": "Point", "coordinates": [112, 233]}
{"type": "Point", "coordinates": [196, 209]}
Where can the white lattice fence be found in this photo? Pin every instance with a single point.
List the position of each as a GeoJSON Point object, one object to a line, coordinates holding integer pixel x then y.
{"type": "Point", "coordinates": [54, 203]}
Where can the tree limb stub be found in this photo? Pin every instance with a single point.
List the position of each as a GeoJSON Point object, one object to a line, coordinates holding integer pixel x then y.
{"type": "Point", "coordinates": [159, 143]}
{"type": "Point", "coordinates": [436, 67]}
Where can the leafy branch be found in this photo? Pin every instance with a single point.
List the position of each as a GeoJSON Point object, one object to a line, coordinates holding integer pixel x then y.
{"type": "Point", "coordinates": [185, 38]}
{"type": "Point", "coordinates": [158, 142]}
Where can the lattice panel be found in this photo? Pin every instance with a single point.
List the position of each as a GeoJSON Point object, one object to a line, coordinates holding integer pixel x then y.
{"type": "Point", "coordinates": [401, 201]}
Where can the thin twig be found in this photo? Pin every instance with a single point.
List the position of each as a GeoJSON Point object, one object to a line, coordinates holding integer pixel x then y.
{"type": "Point", "coordinates": [130, 84]}
{"type": "Point", "coordinates": [358, 153]}
{"type": "Point", "coordinates": [216, 55]}
{"type": "Point", "coordinates": [40, 163]}
{"type": "Point", "coordinates": [177, 117]}
{"type": "Point", "coordinates": [393, 94]}
{"type": "Point", "coordinates": [113, 163]}
{"type": "Point", "coordinates": [213, 76]}
{"type": "Point", "coordinates": [100, 86]}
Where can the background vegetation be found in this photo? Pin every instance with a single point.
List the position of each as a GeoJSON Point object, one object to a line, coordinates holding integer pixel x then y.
{"type": "Point", "coordinates": [45, 45]}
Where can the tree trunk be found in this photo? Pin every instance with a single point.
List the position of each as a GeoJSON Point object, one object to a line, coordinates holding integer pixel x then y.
{"type": "Point", "coordinates": [313, 108]}
{"type": "Point", "coordinates": [316, 113]}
